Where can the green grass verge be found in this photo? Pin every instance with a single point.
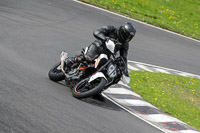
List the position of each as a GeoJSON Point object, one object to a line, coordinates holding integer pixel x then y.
{"type": "Point", "coordinates": [176, 95]}
{"type": "Point", "coordinates": [181, 16]}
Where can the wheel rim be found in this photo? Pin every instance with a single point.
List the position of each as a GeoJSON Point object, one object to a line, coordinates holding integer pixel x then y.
{"type": "Point", "coordinates": [86, 86]}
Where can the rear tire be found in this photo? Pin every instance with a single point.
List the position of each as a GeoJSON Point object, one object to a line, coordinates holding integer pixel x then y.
{"type": "Point", "coordinates": [79, 92]}
{"type": "Point", "coordinates": [56, 74]}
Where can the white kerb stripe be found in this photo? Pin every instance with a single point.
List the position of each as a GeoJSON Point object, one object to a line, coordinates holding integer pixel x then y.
{"type": "Point", "coordinates": [161, 70]}
{"type": "Point", "coordinates": [187, 131]}
{"type": "Point", "coordinates": [188, 75]}
{"type": "Point", "coordinates": [132, 92]}
{"type": "Point", "coordinates": [134, 114]}
{"type": "Point", "coordinates": [132, 68]}
{"type": "Point", "coordinates": [121, 83]}
{"type": "Point", "coordinates": [120, 91]}
{"type": "Point", "coordinates": [161, 118]}
{"type": "Point", "coordinates": [184, 74]}
{"type": "Point", "coordinates": [131, 102]}
{"type": "Point", "coordinates": [154, 66]}
{"type": "Point", "coordinates": [144, 68]}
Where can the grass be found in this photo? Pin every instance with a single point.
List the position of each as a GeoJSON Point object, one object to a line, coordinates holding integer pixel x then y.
{"type": "Point", "coordinates": [176, 95]}
{"type": "Point", "coordinates": [181, 16]}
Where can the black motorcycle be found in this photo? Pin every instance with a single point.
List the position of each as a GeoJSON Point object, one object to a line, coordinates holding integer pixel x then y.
{"type": "Point", "coordinates": [87, 79]}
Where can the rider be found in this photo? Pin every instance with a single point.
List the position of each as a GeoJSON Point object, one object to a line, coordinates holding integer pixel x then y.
{"type": "Point", "coordinates": [123, 34]}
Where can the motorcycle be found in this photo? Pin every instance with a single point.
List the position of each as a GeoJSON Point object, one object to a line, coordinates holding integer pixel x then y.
{"type": "Point", "coordinates": [87, 79]}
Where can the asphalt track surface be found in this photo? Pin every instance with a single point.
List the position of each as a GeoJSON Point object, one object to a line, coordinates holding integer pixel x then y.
{"type": "Point", "coordinates": [32, 35]}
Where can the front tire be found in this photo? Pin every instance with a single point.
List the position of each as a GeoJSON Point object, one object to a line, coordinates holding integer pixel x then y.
{"type": "Point", "coordinates": [56, 74]}
{"type": "Point", "coordinates": [85, 89]}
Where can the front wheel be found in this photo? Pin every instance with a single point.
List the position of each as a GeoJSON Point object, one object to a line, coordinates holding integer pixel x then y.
{"type": "Point", "coordinates": [86, 89]}
{"type": "Point", "coordinates": [56, 74]}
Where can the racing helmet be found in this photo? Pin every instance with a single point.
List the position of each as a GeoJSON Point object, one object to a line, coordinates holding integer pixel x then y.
{"type": "Point", "coordinates": [126, 32]}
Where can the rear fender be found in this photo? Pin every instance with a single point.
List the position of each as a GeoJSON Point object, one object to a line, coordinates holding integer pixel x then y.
{"type": "Point", "coordinates": [97, 75]}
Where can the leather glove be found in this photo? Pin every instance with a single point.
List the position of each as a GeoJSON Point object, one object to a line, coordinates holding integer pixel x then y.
{"type": "Point", "coordinates": [80, 58]}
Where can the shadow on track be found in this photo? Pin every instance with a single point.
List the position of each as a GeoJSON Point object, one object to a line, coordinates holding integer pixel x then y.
{"type": "Point", "coordinates": [100, 101]}
{"type": "Point", "coordinates": [97, 100]}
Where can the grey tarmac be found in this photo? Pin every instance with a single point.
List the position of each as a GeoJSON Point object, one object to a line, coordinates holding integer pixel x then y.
{"type": "Point", "coordinates": [32, 35]}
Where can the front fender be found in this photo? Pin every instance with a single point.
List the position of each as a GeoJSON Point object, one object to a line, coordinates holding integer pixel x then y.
{"type": "Point", "coordinates": [97, 75]}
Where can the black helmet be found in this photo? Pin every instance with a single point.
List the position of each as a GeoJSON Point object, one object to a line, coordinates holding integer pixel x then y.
{"type": "Point", "coordinates": [126, 32]}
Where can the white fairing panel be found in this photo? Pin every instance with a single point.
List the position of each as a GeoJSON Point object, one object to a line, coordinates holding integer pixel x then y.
{"type": "Point", "coordinates": [99, 59]}
{"type": "Point", "coordinates": [125, 79]}
{"type": "Point", "coordinates": [97, 75]}
{"type": "Point", "coordinates": [110, 45]}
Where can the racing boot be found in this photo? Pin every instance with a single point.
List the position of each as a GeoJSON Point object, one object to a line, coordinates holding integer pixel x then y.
{"type": "Point", "coordinates": [126, 72]}
{"type": "Point", "coordinates": [125, 76]}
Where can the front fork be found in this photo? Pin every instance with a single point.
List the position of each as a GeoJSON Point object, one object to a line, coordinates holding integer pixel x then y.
{"type": "Point", "coordinates": [63, 58]}
{"type": "Point", "coordinates": [62, 67]}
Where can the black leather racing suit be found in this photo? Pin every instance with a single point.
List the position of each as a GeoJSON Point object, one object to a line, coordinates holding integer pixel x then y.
{"type": "Point", "coordinates": [98, 46]}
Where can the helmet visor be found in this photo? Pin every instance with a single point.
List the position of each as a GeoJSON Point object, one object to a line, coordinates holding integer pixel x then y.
{"type": "Point", "coordinates": [128, 36]}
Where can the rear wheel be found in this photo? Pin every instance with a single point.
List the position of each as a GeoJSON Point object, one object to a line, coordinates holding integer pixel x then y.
{"type": "Point", "coordinates": [56, 74]}
{"type": "Point", "coordinates": [86, 89]}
